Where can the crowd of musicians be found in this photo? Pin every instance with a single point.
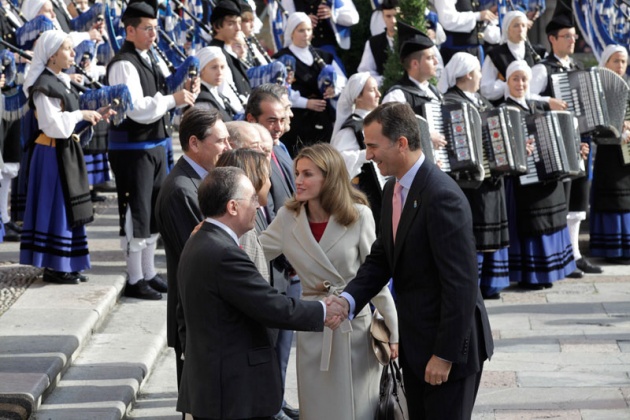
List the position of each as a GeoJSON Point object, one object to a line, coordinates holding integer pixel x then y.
{"type": "Point", "coordinates": [527, 231]}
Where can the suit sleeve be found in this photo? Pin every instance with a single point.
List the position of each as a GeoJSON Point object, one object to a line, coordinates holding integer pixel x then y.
{"type": "Point", "coordinates": [244, 288]}
{"type": "Point", "coordinates": [180, 214]}
{"type": "Point", "coordinates": [453, 244]}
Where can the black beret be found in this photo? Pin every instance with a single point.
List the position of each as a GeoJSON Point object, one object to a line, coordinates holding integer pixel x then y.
{"type": "Point", "coordinates": [140, 9]}
{"type": "Point", "coordinates": [562, 19]}
{"type": "Point", "coordinates": [389, 4]}
{"type": "Point", "coordinates": [223, 9]}
{"type": "Point", "coordinates": [411, 39]}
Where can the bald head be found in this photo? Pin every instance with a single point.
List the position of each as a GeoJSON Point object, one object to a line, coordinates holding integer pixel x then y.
{"type": "Point", "coordinates": [266, 141]}
{"type": "Point", "coordinates": [243, 135]}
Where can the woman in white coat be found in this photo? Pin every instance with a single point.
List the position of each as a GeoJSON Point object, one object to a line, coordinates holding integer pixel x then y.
{"type": "Point", "coordinates": [326, 232]}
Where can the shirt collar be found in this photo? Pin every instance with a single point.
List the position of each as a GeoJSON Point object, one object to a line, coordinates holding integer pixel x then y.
{"type": "Point", "coordinates": [518, 49]}
{"type": "Point", "coordinates": [198, 168]}
{"type": "Point", "coordinates": [407, 178]}
{"type": "Point", "coordinates": [225, 228]}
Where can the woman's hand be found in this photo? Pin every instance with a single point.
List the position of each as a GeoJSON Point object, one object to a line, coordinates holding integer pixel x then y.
{"type": "Point", "coordinates": [323, 11]}
{"type": "Point", "coordinates": [584, 150]}
{"type": "Point", "coordinates": [557, 104]}
{"type": "Point", "coordinates": [2, 80]}
{"type": "Point", "coordinates": [93, 117]}
{"type": "Point", "coordinates": [317, 105]}
{"type": "Point", "coordinates": [329, 93]}
{"type": "Point", "coordinates": [76, 78]}
{"type": "Point", "coordinates": [393, 347]}
{"type": "Point", "coordinates": [438, 140]}
{"type": "Point", "coordinates": [529, 147]}
{"type": "Point", "coordinates": [106, 112]}
{"type": "Point", "coordinates": [196, 229]}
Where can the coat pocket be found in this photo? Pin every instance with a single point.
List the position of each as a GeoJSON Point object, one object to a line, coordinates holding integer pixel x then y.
{"type": "Point", "coordinates": [259, 356]}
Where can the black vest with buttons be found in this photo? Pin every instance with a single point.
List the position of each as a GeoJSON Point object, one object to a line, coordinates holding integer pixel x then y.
{"type": "Point", "coordinates": [50, 85]}
{"type": "Point", "coordinates": [414, 95]}
{"type": "Point", "coordinates": [129, 130]}
{"type": "Point", "coordinates": [323, 33]}
{"type": "Point", "coordinates": [380, 51]}
{"type": "Point", "coordinates": [465, 38]}
{"type": "Point", "coordinates": [502, 57]}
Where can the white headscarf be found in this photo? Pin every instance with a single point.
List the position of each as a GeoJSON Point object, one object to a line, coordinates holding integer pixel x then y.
{"type": "Point", "coordinates": [45, 47]}
{"type": "Point", "coordinates": [516, 65]}
{"type": "Point", "coordinates": [207, 54]}
{"type": "Point", "coordinates": [507, 21]}
{"type": "Point", "coordinates": [609, 51]}
{"type": "Point", "coordinates": [294, 21]}
{"type": "Point", "coordinates": [30, 8]}
{"type": "Point", "coordinates": [460, 65]}
{"type": "Point", "coordinates": [349, 94]}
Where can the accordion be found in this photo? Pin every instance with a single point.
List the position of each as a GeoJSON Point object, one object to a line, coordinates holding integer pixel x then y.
{"type": "Point", "coordinates": [596, 97]}
{"type": "Point", "coordinates": [503, 139]}
{"type": "Point", "coordinates": [462, 157]}
{"type": "Point", "coordinates": [557, 147]}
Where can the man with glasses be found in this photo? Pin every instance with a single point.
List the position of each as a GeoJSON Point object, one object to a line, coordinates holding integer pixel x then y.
{"type": "Point", "coordinates": [562, 37]}
{"type": "Point", "coordinates": [137, 150]}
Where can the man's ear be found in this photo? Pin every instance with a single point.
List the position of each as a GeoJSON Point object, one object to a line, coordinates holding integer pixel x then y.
{"type": "Point", "coordinates": [250, 118]}
{"type": "Point", "coordinates": [404, 142]}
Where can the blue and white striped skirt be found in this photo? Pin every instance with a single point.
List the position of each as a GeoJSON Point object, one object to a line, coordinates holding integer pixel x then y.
{"type": "Point", "coordinates": [610, 234]}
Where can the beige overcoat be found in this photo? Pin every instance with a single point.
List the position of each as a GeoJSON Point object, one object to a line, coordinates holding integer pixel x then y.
{"type": "Point", "coordinates": [337, 372]}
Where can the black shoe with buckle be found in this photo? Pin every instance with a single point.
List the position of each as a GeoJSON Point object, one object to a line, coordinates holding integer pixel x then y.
{"type": "Point", "coordinates": [292, 412]}
{"type": "Point", "coordinates": [157, 283]}
{"type": "Point", "coordinates": [59, 277]}
{"type": "Point", "coordinates": [142, 290]}
{"type": "Point", "coordinates": [14, 226]}
{"type": "Point", "coordinates": [80, 276]}
{"type": "Point", "coordinates": [586, 266]}
{"type": "Point", "coordinates": [577, 274]}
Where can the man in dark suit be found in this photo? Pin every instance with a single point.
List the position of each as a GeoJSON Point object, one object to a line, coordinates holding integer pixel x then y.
{"type": "Point", "coordinates": [203, 137]}
{"type": "Point", "coordinates": [266, 108]}
{"type": "Point", "coordinates": [444, 330]}
{"type": "Point", "coordinates": [231, 370]}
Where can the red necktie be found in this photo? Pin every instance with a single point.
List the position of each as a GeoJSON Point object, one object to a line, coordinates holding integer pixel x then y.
{"type": "Point", "coordinates": [396, 207]}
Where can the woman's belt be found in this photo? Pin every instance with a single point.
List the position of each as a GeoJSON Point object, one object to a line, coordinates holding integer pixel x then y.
{"type": "Point", "coordinates": [44, 140]}
{"type": "Point", "coordinates": [323, 290]}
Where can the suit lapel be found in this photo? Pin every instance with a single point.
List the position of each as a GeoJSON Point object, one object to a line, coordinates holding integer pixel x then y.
{"type": "Point", "coordinates": [189, 171]}
{"type": "Point", "coordinates": [413, 203]}
{"type": "Point", "coordinates": [304, 236]}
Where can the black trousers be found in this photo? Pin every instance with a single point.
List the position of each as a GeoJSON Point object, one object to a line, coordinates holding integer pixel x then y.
{"type": "Point", "coordinates": [453, 400]}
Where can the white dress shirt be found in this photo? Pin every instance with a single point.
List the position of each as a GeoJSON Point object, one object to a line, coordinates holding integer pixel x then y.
{"type": "Point", "coordinates": [454, 21]}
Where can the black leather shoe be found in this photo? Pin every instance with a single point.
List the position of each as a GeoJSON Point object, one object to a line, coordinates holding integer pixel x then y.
{"type": "Point", "coordinates": [14, 226]}
{"type": "Point", "coordinates": [530, 286]}
{"type": "Point", "coordinates": [292, 412]}
{"type": "Point", "coordinates": [158, 283]}
{"type": "Point", "coordinates": [97, 198]}
{"type": "Point", "coordinates": [80, 276]}
{"type": "Point", "coordinates": [586, 266]}
{"type": "Point", "coordinates": [494, 296]}
{"type": "Point", "coordinates": [577, 274]}
{"type": "Point", "coordinates": [105, 187]}
{"type": "Point", "coordinates": [142, 290]}
{"type": "Point", "coordinates": [59, 277]}
{"type": "Point", "coordinates": [281, 416]}
{"type": "Point", "coordinates": [11, 234]}
{"type": "Point", "coordinates": [618, 260]}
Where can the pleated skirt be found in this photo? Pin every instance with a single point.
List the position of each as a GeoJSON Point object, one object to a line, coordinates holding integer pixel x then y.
{"type": "Point", "coordinates": [494, 271]}
{"type": "Point", "coordinates": [47, 239]}
{"type": "Point", "coordinates": [97, 165]}
{"type": "Point", "coordinates": [610, 234]}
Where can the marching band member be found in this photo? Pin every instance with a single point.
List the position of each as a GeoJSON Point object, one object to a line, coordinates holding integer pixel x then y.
{"type": "Point", "coordinates": [137, 146]}
{"type": "Point", "coordinates": [610, 198]}
{"type": "Point", "coordinates": [462, 76]}
{"type": "Point", "coordinates": [379, 47]}
{"type": "Point", "coordinates": [212, 64]}
{"type": "Point", "coordinates": [540, 246]}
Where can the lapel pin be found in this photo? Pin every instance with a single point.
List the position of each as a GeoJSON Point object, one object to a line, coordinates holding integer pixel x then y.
{"type": "Point", "coordinates": [415, 204]}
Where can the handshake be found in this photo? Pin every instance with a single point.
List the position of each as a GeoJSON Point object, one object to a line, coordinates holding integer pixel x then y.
{"type": "Point", "coordinates": [337, 309]}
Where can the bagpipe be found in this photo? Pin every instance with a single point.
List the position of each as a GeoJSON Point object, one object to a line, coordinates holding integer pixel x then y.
{"type": "Point", "coordinates": [31, 30]}
{"type": "Point", "coordinates": [86, 20]}
{"type": "Point", "coordinates": [603, 22]}
{"type": "Point", "coordinates": [7, 67]}
{"type": "Point", "coordinates": [277, 18]}
{"type": "Point", "coordinates": [15, 102]}
{"type": "Point", "coordinates": [115, 97]}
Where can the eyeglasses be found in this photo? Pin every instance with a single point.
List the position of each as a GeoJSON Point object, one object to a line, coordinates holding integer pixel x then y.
{"type": "Point", "coordinates": [570, 37]}
{"type": "Point", "coordinates": [253, 199]}
{"type": "Point", "coordinates": [149, 28]}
